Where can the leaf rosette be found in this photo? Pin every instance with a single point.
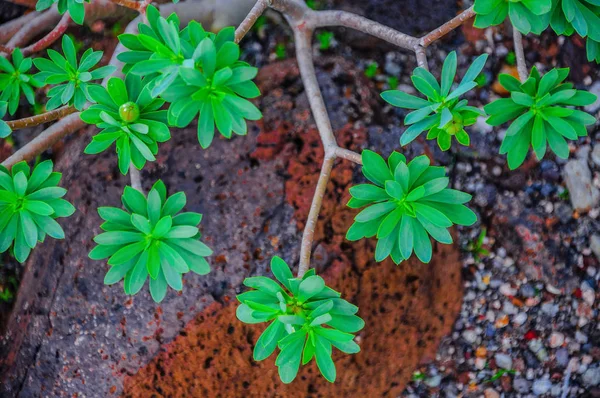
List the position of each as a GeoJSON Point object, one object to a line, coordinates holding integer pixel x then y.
{"type": "Point", "coordinates": [541, 114]}
{"type": "Point", "coordinates": [151, 237]}
{"type": "Point", "coordinates": [70, 77]}
{"type": "Point", "coordinates": [443, 114]}
{"type": "Point", "coordinates": [30, 201]}
{"type": "Point", "coordinates": [128, 116]}
{"type": "Point", "coordinates": [307, 319]}
{"type": "Point", "coordinates": [15, 80]}
{"type": "Point", "coordinates": [406, 204]}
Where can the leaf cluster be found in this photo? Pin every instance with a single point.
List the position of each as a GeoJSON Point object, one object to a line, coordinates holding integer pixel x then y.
{"type": "Point", "coordinates": [307, 319]}
{"type": "Point", "coordinates": [443, 114]}
{"type": "Point", "coordinates": [540, 112]}
{"type": "Point", "coordinates": [30, 201]}
{"type": "Point", "coordinates": [71, 78]}
{"type": "Point", "coordinates": [197, 72]}
{"type": "Point", "coordinates": [526, 15]}
{"type": "Point", "coordinates": [129, 116]}
{"type": "Point", "coordinates": [406, 204]}
{"type": "Point", "coordinates": [75, 8]}
{"type": "Point", "coordinates": [15, 80]}
{"type": "Point", "coordinates": [581, 16]}
{"type": "Point", "coordinates": [150, 237]}
{"type": "Point", "coordinates": [564, 16]}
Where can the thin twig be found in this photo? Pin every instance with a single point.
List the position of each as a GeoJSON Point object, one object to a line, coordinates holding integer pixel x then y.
{"type": "Point", "coordinates": [136, 178]}
{"type": "Point", "coordinates": [313, 215]}
{"type": "Point", "coordinates": [46, 139]}
{"type": "Point", "coordinates": [40, 119]}
{"type": "Point", "coordinates": [50, 38]}
{"type": "Point", "coordinates": [348, 154]}
{"type": "Point", "coordinates": [520, 54]}
{"type": "Point", "coordinates": [349, 20]}
{"type": "Point", "coordinates": [421, 55]}
{"type": "Point", "coordinates": [447, 27]}
{"type": "Point", "coordinates": [256, 11]}
{"type": "Point", "coordinates": [311, 86]}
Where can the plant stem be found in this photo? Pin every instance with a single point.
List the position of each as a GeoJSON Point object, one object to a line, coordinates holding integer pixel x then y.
{"type": "Point", "coordinates": [136, 178]}
{"type": "Point", "coordinates": [50, 38]}
{"type": "Point", "coordinates": [303, 37]}
{"type": "Point", "coordinates": [256, 11]}
{"type": "Point", "coordinates": [348, 155]}
{"type": "Point", "coordinates": [313, 215]}
{"type": "Point", "coordinates": [520, 54]}
{"type": "Point", "coordinates": [39, 119]}
{"type": "Point", "coordinates": [321, 19]}
{"type": "Point", "coordinates": [46, 139]}
{"type": "Point", "coordinates": [447, 27]}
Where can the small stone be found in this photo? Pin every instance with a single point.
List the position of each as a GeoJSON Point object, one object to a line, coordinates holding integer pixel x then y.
{"type": "Point", "coordinates": [470, 336]}
{"type": "Point", "coordinates": [509, 308]}
{"type": "Point", "coordinates": [589, 296]}
{"type": "Point", "coordinates": [550, 309]}
{"type": "Point", "coordinates": [507, 290]}
{"type": "Point", "coordinates": [521, 385]}
{"type": "Point", "coordinates": [433, 381]}
{"type": "Point", "coordinates": [594, 89]}
{"type": "Point", "coordinates": [581, 337]}
{"type": "Point", "coordinates": [578, 177]}
{"type": "Point", "coordinates": [596, 153]}
{"type": "Point", "coordinates": [553, 290]}
{"type": "Point", "coordinates": [562, 357]}
{"type": "Point", "coordinates": [503, 361]}
{"type": "Point", "coordinates": [481, 352]}
{"type": "Point", "coordinates": [541, 387]}
{"type": "Point", "coordinates": [480, 363]}
{"type": "Point", "coordinates": [491, 393]}
{"type": "Point", "coordinates": [538, 349]}
{"type": "Point", "coordinates": [520, 318]}
{"type": "Point", "coordinates": [591, 377]}
{"type": "Point", "coordinates": [527, 290]}
{"type": "Point", "coordinates": [556, 339]}
{"type": "Point", "coordinates": [502, 322]}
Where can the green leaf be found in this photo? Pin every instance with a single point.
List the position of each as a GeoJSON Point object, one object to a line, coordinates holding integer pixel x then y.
{"type": "Point", "coordinates": [281, 271]}
{"type": "Point", "coordinates": [309, 287]}
{"type": "Point", "coordinates": [267, 342]}
{"type": "Point", "coordinates": [323, 358]}
{"type": "Point", "coordinates": [375, 168]}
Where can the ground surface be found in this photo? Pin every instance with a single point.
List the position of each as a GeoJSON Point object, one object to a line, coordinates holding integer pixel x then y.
{"type": "Point", "coordinates": [529, 320]}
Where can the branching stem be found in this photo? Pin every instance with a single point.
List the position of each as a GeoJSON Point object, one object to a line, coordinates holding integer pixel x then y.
{"type": "Point", "coordinates": [50, 38]}
{"type": "Point", "coordinates": [256, 11]}
{"type": "Point", "coordinates": [40, 119]}
{"type": "Point", "coordinates": [303, 21]}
